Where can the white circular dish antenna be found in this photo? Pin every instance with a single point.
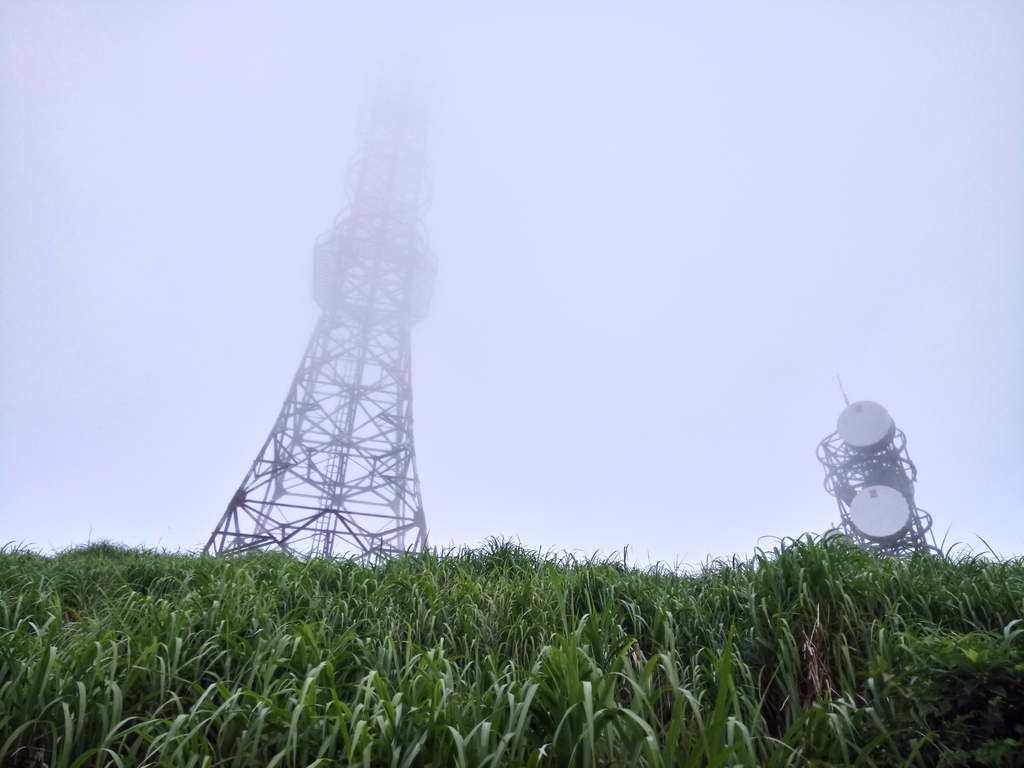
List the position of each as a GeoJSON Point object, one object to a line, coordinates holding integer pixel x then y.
{"type": "Point", "coordinates": [865, 424]}
{"type": "Point", "coordinates": [880, 512]}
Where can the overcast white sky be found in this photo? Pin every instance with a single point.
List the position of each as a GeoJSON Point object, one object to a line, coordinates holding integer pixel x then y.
{"type": "Point", "coordinates": [661, 228]}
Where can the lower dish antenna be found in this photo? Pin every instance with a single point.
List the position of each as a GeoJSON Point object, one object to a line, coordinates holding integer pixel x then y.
{"type": "Point", "coordinates": [880, 513]}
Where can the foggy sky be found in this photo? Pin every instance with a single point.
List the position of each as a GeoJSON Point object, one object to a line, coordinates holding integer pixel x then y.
{"type": "Point", "coordinates": [662, 230]}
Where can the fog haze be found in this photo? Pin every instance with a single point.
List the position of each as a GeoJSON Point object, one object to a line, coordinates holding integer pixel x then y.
{"type": "Point", "coordinates": [661, 230]}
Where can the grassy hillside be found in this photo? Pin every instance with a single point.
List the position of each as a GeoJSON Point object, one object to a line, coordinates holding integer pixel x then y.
{"type": "Point", "coordinates": [817, 654]}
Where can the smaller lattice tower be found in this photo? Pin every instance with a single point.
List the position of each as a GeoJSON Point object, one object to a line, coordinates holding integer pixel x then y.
{"type": "Point", "coordinates": [871, 476]}
{"type": "Point", "coordinates": [337, 474]}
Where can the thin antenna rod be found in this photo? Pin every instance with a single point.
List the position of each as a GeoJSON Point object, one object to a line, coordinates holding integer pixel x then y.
{"type": "Point", "coordinates": [842, 390]}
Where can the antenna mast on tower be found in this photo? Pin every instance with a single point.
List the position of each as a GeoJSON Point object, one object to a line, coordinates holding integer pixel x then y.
{"type": "Point", "coordinates": [337, 474]}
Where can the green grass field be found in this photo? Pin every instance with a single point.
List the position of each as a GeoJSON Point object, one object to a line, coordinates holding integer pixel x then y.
{"type": "Point", "coordinates": [815, 654]}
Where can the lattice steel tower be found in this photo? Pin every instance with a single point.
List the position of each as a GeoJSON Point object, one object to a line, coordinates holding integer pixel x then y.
{"type": "Point", "coordinates": [337, 475]}
{"type": "Point", "coordinates": [871, 476]}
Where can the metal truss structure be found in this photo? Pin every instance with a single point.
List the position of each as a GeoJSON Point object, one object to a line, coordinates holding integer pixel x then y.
{"type": "Point", "coordinates": [849, 470]}
{"type": "Point", "coordinates": [337, 475]}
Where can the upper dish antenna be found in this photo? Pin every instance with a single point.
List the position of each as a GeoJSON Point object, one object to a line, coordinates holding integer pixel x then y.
{"type": "Point", "coordinates": [865, 424]}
